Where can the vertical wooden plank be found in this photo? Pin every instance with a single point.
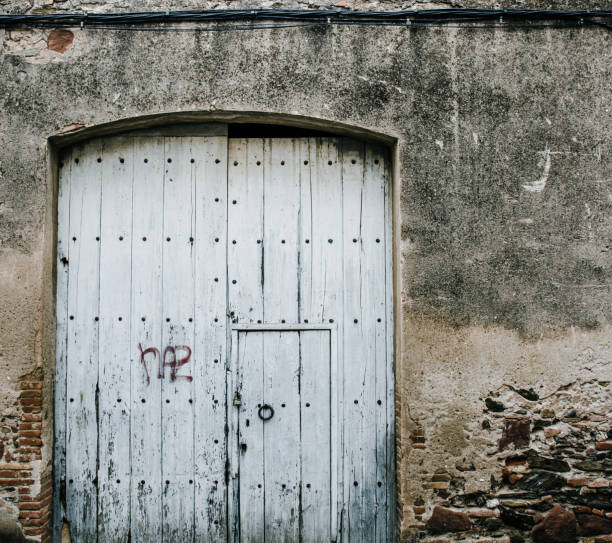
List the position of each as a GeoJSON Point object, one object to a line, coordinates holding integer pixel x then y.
{"type": "Point", "coordinates": [114, 348]}
{"type": "Point", "coordinates": [233, 463]}
{"type": "Point", "coordinates": [374, 325]}
{"type": "Point", "coordinates": [281, 437]}
{"type": "Point", "coordinates": [63, 260]}
{"type": "Point", "coordinates": [312, 285]}
{"type": "Point", "coordinates": [391, 490]}
{"type": "Point", "coordinates": [250, 439]}
{"type": "Point", "coordinates": [281, 216]}
{"type": "Point", "coordinates": [245, 244]}
{"type": "Point", "coordinates": [209, 367]}
{"type": "Point", "coordinates": [82, 342]}
{"type": "Point", "coordinates": [322, 261]}
{"type": "Point", "coordinates": [315, 432]}
{"type": "Point", "coordinates": [281, 351]}
{"type": "Point", "coordinates": [177, 342]}
{"type": "Point", "coordinates": [245, 250]}
{"type": "Point", "coordinates": [306, 148]}
{"type": "Point", "coordinates": [355, 345]}
{"type": "Point", "coordinates": [145, 343]}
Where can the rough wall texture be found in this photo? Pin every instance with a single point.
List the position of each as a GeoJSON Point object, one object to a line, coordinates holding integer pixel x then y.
{"type": "Point", "coordinates": [504, 358]}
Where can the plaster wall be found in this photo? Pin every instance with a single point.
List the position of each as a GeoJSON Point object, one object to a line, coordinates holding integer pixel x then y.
{"type": "Point", "coordinates": [502, 146]}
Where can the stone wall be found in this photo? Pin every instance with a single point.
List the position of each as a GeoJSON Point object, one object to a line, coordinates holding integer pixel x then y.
{"type": "Point", "coordinates": [551, 469]}
{"type": "Point", "coordinates": [503, 164]}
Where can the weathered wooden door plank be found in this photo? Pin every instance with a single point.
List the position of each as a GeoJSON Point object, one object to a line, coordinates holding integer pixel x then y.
{"type": "Point", "coordinates": [281, 351]}
{"type": "Point", "coordinates": [146, 319]}
{"type": "Point", "coordinates": [177, 342]}
{"type": "Point", "coordinates": [82, 346]}
{"type": "Point", "coordinates": [355, 346]}
{"type": "Point", "coordinates": [374, 296]}
{"type": "Point", "coordinates": [315, 434]}
{"type": "Point", "coordinates": [114, 348]}
{"type": "Point", "coordinates": [63, 261]}
{"type": "Point", "coordinates": [245, 250]}
{"type": "Point", "coordinates": [209, 348]}
{"type": "Point", "coordinates": [322, 277]}
{"type": "Point", "coordinates": [250, 442]}
{"type": "Point", "coordinates": [390, 474]}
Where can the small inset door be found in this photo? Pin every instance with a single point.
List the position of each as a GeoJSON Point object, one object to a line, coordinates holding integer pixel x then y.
{"type": "Point", "coordinates": [283, 434]}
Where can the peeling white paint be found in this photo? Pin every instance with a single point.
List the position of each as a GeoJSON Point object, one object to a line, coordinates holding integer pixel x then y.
{"type": "Point", "coordinates": [540, 184]}
{"type": "Point", "coordinates": [475, 136]}
{"type": "Point", "coordinates": [440, 144]}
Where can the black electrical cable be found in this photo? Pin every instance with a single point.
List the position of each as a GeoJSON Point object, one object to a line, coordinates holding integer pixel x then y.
{"type": "Point", "coordinates": [279, 18]}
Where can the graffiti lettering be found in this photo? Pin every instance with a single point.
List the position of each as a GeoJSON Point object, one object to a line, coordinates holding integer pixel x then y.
{"type": "Point", "coordinates": [168, 360]}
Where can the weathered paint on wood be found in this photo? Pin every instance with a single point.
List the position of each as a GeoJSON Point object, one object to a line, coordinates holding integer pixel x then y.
{"type": "Point", "coordinates": [177, 239]}
{"type": "Point", "coordinates": [146, 327]}
{"type": "Point", "coordinates": [210, 341]}
{"type": "Point", "coordinates": [63, 246]}
{"type": "Point", "coordinates": [291, 457]}
{"type": "Point", "coordinates": [82, 412]}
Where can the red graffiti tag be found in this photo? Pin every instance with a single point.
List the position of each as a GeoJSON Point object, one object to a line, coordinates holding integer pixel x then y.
{"type": "Point", "coordinates": [169, 360]}
{"type": "Point", "coordinates": [175, 363]}
{"type": "Point", "coordinates": [152, 350]}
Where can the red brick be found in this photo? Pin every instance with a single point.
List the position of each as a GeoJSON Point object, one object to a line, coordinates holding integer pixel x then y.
{"type": "Point", "coordinates": [582, 509]}
{"type": "Point", "coordinates": [604, 446]}
{"type": "Point", "coordinates": [60, 40]}
{"type": "Point", "coordinates": [481, 513]}
{"type": "Point", "coordinates": [30, 441]}
{"type": "Point", "coordinates": [29, 506]}
{"type": "Point", "coordinates": [29, 433]}
{"type": "Point", "coordinates": [31, 394]}
{"type": "Point", "coordinates": [30, 426]}
{"type": "Point", "coordinates": [29, 385]}
{"type": "Point", "coordinates": [34, 521]}
{"type": "Point", "coordinates": [31, 514]}
{"type": "Point", "coordinates": [31, 401]}
{"type": "Point", "coordinates": [32, 417]}
{"type": "Point", "coordinates": [32, 530]}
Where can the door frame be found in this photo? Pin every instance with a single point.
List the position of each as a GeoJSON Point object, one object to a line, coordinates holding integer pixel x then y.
{"type": "Point", "coordinates": [335, 400]}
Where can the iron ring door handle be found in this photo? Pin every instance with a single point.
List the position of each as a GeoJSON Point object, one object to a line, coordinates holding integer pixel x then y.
{"type": "Point", "coordinates": [261, 412]}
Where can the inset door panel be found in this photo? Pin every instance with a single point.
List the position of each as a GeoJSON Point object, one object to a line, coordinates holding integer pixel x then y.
{"type": "Point", "coordinates": [283, 430]}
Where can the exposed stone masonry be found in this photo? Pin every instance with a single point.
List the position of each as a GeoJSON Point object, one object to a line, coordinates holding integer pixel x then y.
{"type": "Point", "coordinates": [24, 483]}
{"type": "Point", "coordinates": [554, 479]}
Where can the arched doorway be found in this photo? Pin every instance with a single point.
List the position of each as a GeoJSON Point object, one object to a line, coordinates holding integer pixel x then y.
{"type": "Point", "coordinates": [225, 337]}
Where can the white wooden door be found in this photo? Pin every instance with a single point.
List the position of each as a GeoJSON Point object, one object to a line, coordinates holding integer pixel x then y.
{"type": "Point", "coordinates": [284, 428]}
{"type": "Point", "coordinates": [170, 245]}
{"type": "Point", "coordinates": [309, 244]}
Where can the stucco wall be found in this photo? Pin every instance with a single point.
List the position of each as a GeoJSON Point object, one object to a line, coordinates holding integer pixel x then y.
{"type": "Point", "coordinates": [503, 160]}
